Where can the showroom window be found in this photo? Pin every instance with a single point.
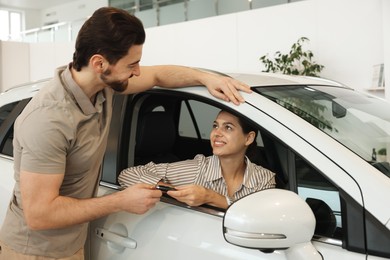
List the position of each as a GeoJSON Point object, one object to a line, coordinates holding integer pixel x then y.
{"type": "Point", "coordinates": [11, 24]}
{"type": "Point", "coordinates": [129, 6]}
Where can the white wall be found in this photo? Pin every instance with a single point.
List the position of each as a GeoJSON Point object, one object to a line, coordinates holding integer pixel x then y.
{"type": "Point", "coordinates": [71, 11]}
{"type": "Point", "coordinates": [32, 19]}
{"type": "Point", "coordinates": [14, 64]}
{"type": "Point", "coordinates": [347, 36]}
{"type": "Point", "coordinates": [25, 62]}
{"type": "Point", "coordinates": [45, 57]}
{"type": "Point", "coordinates": [386, 43]}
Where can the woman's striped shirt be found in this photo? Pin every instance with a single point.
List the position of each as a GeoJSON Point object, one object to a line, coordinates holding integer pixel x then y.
{"type": "Point", "coordinates": [202, 170]}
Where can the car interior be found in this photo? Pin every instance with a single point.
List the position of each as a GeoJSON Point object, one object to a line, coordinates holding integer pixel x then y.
{"type": "Point", "coordinates": [155, 138]}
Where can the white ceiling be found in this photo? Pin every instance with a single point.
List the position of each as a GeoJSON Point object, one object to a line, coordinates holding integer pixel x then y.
{"type": "Point", "coordinates": [31, 4]}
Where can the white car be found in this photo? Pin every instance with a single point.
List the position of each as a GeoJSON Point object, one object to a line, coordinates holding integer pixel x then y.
{"type": "Point", "coordinates": [327, 144]}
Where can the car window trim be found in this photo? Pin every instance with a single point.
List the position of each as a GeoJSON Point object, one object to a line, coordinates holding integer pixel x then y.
{"type": "Point", "coordinates": [195, 123]}
{"type": "Point", "coordinates": [10, 120]}
{"type": "Point", "coordinates": [169, 200]}
{"type": "Point", "coordinates": [110, 165]}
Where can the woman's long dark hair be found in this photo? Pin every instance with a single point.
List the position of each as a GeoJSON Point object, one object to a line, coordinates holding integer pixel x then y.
{"type": "Point", "coordinates": [247, 127]}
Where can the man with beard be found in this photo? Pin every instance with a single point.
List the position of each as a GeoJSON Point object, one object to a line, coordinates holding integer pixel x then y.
{"type": "Point", "coordinates": [60, 139]}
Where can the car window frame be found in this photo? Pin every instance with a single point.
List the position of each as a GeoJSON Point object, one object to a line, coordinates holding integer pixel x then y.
{"type": "Point", "coordinates": [116, 156]}
{"type": "Point", "coordinates": [6, 128]}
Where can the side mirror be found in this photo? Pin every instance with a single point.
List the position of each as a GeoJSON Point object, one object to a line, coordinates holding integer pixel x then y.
{"type": "Point", "coordinates": [272, 219]}
{"type": "Point", "coordinates": [338, 111]}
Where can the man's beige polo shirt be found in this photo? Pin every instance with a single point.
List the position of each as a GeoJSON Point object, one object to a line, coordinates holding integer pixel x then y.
{"type": "Point", "coordinates": [59, 131]}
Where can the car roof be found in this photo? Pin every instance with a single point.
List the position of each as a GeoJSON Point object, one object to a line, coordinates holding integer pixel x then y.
{"type": "Point", "coordinates": [252, 79]}
{"type": "Point", "coordinates": [21, 91]}
{"type": "Point", "coordinates": [271, 79]}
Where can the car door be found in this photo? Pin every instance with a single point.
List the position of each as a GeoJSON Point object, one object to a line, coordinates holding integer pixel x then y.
{"type": "Point", "coordinates": [171, 230]}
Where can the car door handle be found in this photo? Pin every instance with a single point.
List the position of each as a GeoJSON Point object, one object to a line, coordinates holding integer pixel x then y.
{"type": "Point", "coordinates": [115, 238]}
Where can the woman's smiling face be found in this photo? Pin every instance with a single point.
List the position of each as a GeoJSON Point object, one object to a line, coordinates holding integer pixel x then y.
{"type": "Point", "coordinates": [227, 137]}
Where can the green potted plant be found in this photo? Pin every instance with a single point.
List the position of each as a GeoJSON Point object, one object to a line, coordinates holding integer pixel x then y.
{"type": "Point", "coordinates": [297, 62]}
{"type": "Point", "coordinates": [382, 155]}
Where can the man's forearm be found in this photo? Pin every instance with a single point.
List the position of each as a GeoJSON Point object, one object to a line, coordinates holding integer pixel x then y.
{"type": "Point", "coordinates": [65, 211]}
{"type": "Point", "coordinates": [179, 76]}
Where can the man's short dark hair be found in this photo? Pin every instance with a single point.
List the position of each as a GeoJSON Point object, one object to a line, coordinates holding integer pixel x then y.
{"type": "Point", "coordinates": [109, 32]}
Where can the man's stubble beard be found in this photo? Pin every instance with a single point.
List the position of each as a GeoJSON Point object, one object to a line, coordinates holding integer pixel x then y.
{"type": "Point", "coordinates": [116, 85]}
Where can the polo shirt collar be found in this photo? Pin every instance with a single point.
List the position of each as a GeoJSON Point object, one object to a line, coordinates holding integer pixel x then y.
{"type": "Point", "coordinates": [79, 96]}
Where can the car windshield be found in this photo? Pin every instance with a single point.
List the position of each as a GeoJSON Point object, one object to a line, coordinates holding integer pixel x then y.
{"type": "Point", "coordinates": [358, 121]}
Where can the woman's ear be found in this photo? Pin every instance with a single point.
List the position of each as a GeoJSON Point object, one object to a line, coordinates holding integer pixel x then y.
{"type": "Point", "coordinates": [250, 138]}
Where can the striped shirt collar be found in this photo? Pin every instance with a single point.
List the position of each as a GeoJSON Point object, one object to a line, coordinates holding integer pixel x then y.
{"type": "Point", "coordinates": [215, 173]}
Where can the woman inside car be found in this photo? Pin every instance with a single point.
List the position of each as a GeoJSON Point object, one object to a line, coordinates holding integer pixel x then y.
{"type": "Point", "coordinates": [216, 180]}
